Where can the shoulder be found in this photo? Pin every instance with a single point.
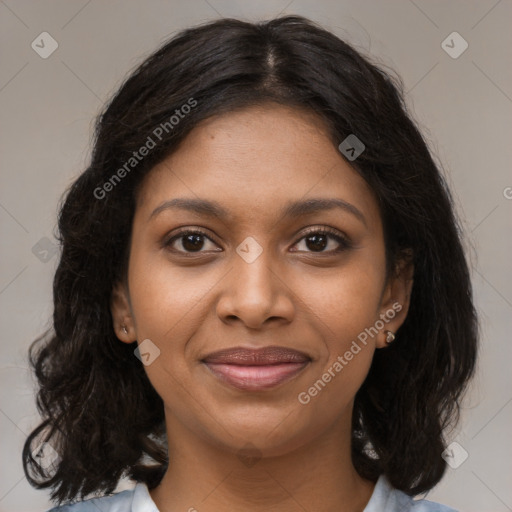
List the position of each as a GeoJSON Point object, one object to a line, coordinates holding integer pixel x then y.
{"type": "Point", "coordinates": [386, 498]}
{"type": "Point", "coordinates": [120, 502]}
{"type": "Point", "coordinates": [137, 499]}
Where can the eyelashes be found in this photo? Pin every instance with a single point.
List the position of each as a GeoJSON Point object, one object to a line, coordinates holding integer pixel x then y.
{"type": "Point", "coordinates": [192, 237]}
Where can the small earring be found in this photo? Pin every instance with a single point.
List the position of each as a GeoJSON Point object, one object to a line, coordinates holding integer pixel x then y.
{"type": "Point", "coordinates": [390, 337]}
{"type": "Point", "coordinates": [125, 330]}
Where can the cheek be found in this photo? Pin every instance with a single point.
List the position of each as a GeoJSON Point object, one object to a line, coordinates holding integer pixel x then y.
{"type": "Point", "coordinates": [169, 305]}
{"type": "Point", "coordinates": [165, 299]}
{"type": "Point", "coordinates": [348, 300]}
{"type": "Point", "coordinates": [348, 312]}
{"type": "Point", "coordinates": [348, 306]}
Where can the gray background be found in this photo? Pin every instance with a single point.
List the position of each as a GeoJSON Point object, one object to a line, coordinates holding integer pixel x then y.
{"type": "Point", "coordinates": [463, 105]}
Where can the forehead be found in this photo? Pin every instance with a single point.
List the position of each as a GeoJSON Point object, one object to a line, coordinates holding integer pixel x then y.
{"type": "Point", "coordinates": [253, 161]}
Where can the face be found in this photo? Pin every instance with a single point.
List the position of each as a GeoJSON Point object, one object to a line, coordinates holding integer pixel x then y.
{"type": "Point", "coordinates": [275, 249]}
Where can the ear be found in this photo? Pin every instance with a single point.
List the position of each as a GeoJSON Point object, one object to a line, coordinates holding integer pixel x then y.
{"type": "Point", "coordinates": [396, 297]}
{"type": "Point", "coordinates": [122, 316]}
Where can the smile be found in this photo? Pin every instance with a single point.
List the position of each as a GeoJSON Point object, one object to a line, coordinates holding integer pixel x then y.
{"type": "Point", "coordinates": [256, 370]}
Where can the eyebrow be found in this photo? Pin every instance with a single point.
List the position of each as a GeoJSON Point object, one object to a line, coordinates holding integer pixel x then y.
{"type": "Point", "coordinates": [291, 210]}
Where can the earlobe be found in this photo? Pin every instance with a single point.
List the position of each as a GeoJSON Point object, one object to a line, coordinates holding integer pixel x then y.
{"type": "Point", "coordinates": [396, 300]}
{"type": "Point", "coordinates": [122, 317]}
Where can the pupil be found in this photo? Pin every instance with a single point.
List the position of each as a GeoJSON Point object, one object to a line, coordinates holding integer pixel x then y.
{"type": "Point", "coordinates": [316, 239]}
{"type": "Point", "coordinates": [195, 242]}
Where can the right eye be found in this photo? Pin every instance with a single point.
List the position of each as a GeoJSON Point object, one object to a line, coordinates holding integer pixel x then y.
{"type": "Point", "coordinates": [188, 241]}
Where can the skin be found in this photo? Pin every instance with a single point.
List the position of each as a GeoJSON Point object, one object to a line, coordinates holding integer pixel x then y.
{"type": "Point", "coordinates": [253, 162]}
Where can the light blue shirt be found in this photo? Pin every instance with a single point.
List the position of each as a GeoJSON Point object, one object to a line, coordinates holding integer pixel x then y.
{"type": "Point", "coordinates": [384, 499]}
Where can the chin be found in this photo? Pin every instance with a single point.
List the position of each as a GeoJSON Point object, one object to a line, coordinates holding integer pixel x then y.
{"type": "Point", "coordinates": [270, 434]}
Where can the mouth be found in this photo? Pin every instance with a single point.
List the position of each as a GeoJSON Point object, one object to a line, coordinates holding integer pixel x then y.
{"type": "Point", "coordinates": [256, 370]}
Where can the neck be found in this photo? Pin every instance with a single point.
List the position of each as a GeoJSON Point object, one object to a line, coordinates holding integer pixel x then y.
{"type": "Point", "coordinates": [205, 477]}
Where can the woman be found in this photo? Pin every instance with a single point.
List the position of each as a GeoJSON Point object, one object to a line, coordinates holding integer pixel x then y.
{"type": "Point", "coordinates": [262, 300]}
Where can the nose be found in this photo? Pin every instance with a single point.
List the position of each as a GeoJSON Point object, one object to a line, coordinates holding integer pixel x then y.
{"type": "Point", "coordinates": [255, 293]}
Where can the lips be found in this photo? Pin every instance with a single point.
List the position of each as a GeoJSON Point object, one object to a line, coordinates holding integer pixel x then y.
{"type": "Point", "coordinates": [256, 370]}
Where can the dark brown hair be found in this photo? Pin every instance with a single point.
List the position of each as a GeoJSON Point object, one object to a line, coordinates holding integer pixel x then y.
{"type": "Point", "coordinates": [98, 408]}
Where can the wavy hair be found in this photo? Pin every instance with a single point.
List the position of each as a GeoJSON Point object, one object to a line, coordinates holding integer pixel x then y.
{"type": "Point", "coordinates": [98, 408]}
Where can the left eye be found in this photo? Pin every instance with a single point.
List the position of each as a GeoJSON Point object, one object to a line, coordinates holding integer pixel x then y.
{"type": "Point", "coordinates": [317, 241]}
